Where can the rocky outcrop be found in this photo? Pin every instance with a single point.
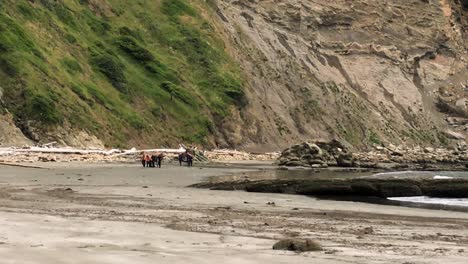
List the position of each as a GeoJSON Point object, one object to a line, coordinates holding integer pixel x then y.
{"type": "Point", "coordinates": [381, 187]}
{"type": "Point", "coordinates": [318, 154]}
{"type": "Point", "coordinates": [426, 158]}
{"type": "Point", "coordinates": [10, 135]}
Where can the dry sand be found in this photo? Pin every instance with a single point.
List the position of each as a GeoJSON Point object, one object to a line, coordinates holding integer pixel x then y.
{"type": "Point", "coordinates": [128, 214]}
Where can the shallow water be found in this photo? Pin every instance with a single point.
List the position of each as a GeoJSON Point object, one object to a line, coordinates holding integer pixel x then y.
{"type": "Point", "coordinates": [336, 173]}
{"type": "Point", "coordinates": [433, 174]}
{"type": "Point", "coordinates": [430, 200]}
{"type": "Point", "coordinates": [293, 174]}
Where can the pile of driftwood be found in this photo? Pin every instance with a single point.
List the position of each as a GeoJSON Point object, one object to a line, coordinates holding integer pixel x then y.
{"type": "Point", "coordinates": [48, 153]}
{"type": "Point", "coordinates": [222, 155]}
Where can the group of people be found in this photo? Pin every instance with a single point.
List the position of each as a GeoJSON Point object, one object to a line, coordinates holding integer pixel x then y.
{"type": "Point", "coordinates": [153, 160]}
{"type": "Point", "coordinates": [186, 157]}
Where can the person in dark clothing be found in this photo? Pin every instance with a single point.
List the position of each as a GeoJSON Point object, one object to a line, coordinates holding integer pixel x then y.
{"type": "Point", "coordinates": [143, 160]}
{"type": "Point", "coordinates": [159, 159]}
{"type": "Point", "coordinates": [181, 158]}
{"type": "Point", "coordinates": [154, 160]}
{"type": "Point", "coordinates": [189, 160]}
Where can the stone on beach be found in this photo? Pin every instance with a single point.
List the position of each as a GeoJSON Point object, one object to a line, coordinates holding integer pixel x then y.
{"type": "Point", "coordinates": [297, 245]}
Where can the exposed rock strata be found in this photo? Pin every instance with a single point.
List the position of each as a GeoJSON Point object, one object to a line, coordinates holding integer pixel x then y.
{"type": "Point", "coordinates": [10, 135]}
{"type": "Point", "coordinates": [361, 71]}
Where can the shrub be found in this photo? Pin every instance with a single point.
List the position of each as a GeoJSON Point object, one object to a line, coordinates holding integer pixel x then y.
{"type": "Point", "coordinates": [135, 121]}
{"type": "Point", "coordinates": [71, 65]}
{"type": "Point", "coordinates": [126, 31]}
{"type": "Point", "coordinates": [69, 38]}
{"type": "Point", "coordinates": [132, 48]}
{"type": "Point", "coordinates": [13, 37]}
{"type": "Point", "coordinates": [9, 67]}
{"type": "Point", "coordinates": [26, 9]}
{"type": "Point", "coordinates": [112, 69]}
{"type": "Point", "coordinates": [61, 11]}
{"type": "Point", "coordinates": [177, 93]}
{"type": "Point", "coordinates": [43, 109]}
{"type": "Point", "coordinates": [81, 93]}
{"type": "Point", "coordinates": [174, 8]}
{"type": "Point", "coordinates": [99, 97]}
{"type": "Point", "coordinates": [97, 25]}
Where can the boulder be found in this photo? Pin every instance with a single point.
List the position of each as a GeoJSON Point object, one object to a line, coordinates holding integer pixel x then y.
{"type": "Point", "coordinates": [319, 154]}
{"type": "Point", "coordinates": [454, 135]}
{"type": "Point", "coordinates": [345, 160]}
{"type": "Point", "coordinates": [297, 245]}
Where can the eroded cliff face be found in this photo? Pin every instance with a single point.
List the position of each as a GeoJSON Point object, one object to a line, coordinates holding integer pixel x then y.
{"type": "Point", "coordinates": [363, 71]}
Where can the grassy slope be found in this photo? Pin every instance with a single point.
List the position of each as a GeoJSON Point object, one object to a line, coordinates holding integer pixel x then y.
{"type": "Point", "coordinates": [117, 69]}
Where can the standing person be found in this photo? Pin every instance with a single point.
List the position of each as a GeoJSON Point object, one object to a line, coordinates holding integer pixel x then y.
{"type": "Point", "coordinates": [154, 160]}
{"type": "Point", "coordinates": [143, 159]}
{"type": "Point", "coordinates": [160, 158]}
{"type": "Point", "coordinates": [147, 160]}
{"type": "Point", "coordinates": [189, 159]}
{"type": "Point", "coordinates": [181, 158]}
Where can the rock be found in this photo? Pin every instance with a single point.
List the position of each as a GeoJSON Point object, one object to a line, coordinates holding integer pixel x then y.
{"type": "Point", "coordinates": [297, 245]}
{"type": "Point", "coordinates": [398, 153]}
{"type": "Point", "coordinates": [365, 231]}
{"type": "Point", "coordinates": [454, 135]}
{"type": "Point", "coordinates": [316, 162]}
{"type": "Point", "coordinates": [10, 134]}
{"type": "Point", "coordinates": [295, 164]}
{"type": "Point", "coordinates": [381, 187]}
{"type": "Point", "coordinates": [317, 155]}
{"type": "Point", "coordinates": [318, 166]}
{"type": "Point", "coordinates": [345, 160]}
{"type": "Point", "coordinates": [428, 150]}
{"type": "Point", "coordinates": [400, 189]}
{"type": "Point", "coordinates": [333, 147]}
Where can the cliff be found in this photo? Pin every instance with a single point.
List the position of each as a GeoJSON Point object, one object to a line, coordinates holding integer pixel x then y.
{"type": "Point", "coordinates": [367, 72]}
{"type": "Point", "coordinates": [259, 75]}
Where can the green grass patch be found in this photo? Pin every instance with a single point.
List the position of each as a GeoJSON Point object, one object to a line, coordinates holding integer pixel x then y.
{"type": "Point", "coordinates": [119, 75]}
{"type": "Point", "coordinates": [175, 8]}
{"type": "Point", "coordinates": [71, 65]}
{"type": "Point", "coordinates": [43, 108]}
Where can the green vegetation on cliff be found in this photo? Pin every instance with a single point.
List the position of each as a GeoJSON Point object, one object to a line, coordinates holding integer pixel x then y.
{"type": "Point", "coordinates": [127, 71]}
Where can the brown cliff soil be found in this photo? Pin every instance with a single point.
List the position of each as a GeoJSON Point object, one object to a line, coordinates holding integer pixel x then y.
{"type": "Point", "coordinates": [367, 72]}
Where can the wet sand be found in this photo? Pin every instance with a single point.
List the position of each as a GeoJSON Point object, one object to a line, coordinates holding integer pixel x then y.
{"type": "Point", "coordinates": [84, 213]}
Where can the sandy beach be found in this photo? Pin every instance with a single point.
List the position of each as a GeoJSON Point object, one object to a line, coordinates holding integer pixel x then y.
{"type": "Point", "coordinates": [88, 213]}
